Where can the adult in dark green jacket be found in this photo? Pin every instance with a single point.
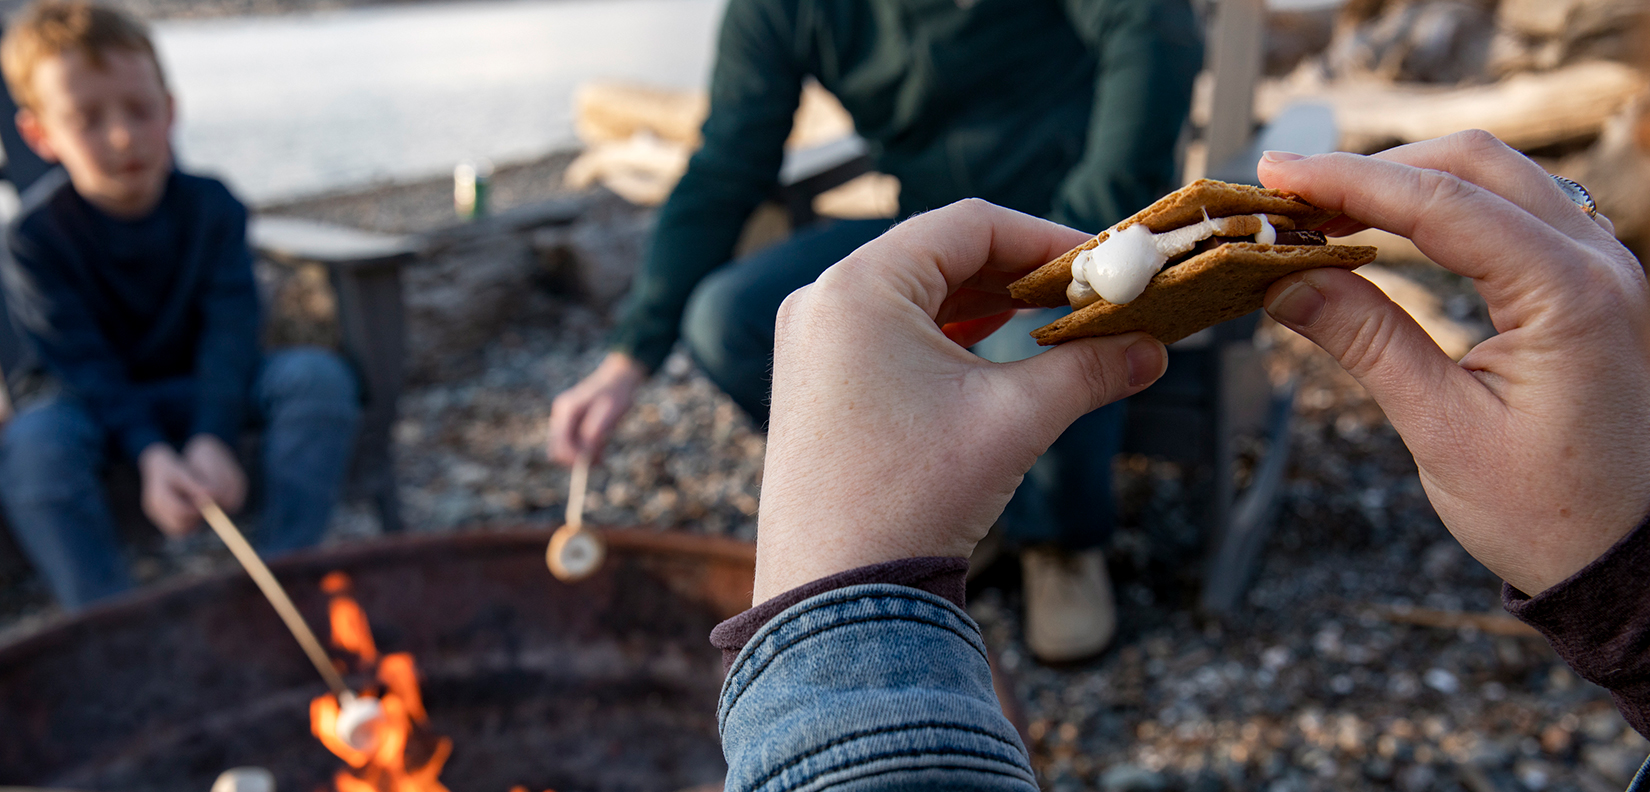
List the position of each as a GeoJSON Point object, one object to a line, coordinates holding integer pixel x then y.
{"type": "Point", "coordinates": [1068, 109]}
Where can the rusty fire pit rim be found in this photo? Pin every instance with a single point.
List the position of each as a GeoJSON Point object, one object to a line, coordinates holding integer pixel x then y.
{"type": "Point", "coordinates": [381, 549]}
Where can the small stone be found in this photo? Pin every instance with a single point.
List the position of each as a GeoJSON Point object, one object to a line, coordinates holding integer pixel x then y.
{"type": "Point", "coordinates": [1535, 776]}
{"type": "Point", "coordinates": [1442, 681]}
{"type": "Point", "coordinates": [1617, 763]}
{"type": "Point", "coordinates": [1132, 778]}
{"type": "Point", "coordinates": [1602, 726]}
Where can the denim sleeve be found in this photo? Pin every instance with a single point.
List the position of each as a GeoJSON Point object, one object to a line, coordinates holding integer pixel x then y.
{"type": "Point", "coordinates": [871, 687]}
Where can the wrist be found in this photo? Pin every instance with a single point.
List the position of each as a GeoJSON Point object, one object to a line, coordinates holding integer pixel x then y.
{"type": "Point", "coordinates": [622, 369]}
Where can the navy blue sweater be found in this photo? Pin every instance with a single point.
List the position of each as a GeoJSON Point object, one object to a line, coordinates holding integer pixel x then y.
{"type": "Point", "coordinates": [105, 303]}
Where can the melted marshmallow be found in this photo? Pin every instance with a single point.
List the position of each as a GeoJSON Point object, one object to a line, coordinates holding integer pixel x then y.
{"type": "Point", "coordinates": [1119, 268]}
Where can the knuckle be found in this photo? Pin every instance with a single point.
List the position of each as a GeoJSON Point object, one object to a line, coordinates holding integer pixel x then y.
{"type": "Point", "coordinates": [1441, 189]}
{"type": "Point", "coordinates": [791, 311]}
{"type": "Point", "coordinates": [1104, 374]}
{"type": "Point", "coordinates": [1478, 142]}
{"type": "Point", "coordinates": [1369, 342]}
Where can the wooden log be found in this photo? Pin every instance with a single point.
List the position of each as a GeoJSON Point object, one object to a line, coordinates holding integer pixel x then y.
{"type": "Point", "coordinates": [1527, 111]}
{"type": "Point", "coordinates": [1488, 623]}
{"type": "Point", "coordinates": [608, 112]}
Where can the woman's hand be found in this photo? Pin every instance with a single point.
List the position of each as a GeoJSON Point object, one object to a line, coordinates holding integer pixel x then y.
{"type": "Point", "coordinates": [888, 439]}
{"type": "Point", "coordinates": [1533, 449]}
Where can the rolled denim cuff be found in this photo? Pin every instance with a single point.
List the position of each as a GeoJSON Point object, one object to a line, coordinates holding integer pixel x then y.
{"type": "Point", "coordinates": [946, 577]}
{"type": "Point", "coordinates": [868, 687]}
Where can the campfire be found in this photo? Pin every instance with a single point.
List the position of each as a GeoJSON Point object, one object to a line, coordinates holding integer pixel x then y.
{"type": "Point", "coordinates": [495, 673]}
{"type": "Point", "coordinates": [404, 755]}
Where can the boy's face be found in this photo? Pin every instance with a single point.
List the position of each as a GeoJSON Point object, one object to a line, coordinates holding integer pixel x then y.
{"type": "Point", "coordinates": [110, 127]}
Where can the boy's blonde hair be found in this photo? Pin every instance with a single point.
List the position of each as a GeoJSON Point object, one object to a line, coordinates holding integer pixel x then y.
{"type": "Point", "coordinates": [52, 27]}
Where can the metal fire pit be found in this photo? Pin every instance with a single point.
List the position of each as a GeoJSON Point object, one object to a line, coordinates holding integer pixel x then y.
{"type": "Point", "coordinates": [606, 684]}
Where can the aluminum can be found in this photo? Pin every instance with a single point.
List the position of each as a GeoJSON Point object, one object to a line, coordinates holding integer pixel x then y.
{"type": "Point", "coordinates": [472, 181]}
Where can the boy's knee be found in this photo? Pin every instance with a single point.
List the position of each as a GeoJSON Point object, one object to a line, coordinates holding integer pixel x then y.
{"type": "Point", "coordinates": [50, 443]}
{"type": "Point", "coordinates": [310, 373]}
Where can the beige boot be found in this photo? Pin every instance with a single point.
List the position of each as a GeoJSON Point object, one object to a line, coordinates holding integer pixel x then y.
{"type": "Point", "coordinates": [1070, 613]}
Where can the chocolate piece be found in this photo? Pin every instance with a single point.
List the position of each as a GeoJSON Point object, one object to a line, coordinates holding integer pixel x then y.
{"type": "Point", "coordinates": [1301, 238]}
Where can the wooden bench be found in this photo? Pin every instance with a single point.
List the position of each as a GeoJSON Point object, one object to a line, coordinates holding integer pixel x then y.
{"type": "Point", "coordinates": [364, 269]}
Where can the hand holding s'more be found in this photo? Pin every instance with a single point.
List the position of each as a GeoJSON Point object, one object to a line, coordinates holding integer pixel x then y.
{"type": "Point", "coordinates": [1202, 255]}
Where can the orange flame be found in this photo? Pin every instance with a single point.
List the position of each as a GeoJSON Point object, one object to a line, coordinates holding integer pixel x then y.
{"type": "Point", "coordinates": [400, 676]}
{"type": "Point", "coordinates": [350, 631]}
{"type": "Point", "coordinates": [385, 767]}
{"type": "Point", "coordinates": [404, 722]}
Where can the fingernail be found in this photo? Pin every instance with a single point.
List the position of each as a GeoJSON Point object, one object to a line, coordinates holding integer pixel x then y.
{"type": "Point", "coordinates": [1298, 305]}
{"type": "Point", "coordinates": [1147, 360]}
{"type": "Point", "coordinates": [1281, 156]}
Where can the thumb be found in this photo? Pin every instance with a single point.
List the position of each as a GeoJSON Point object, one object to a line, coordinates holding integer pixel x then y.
{"type": "Point", "coordinates": [1377, 342]}
{"type": "Point", "coordinates": [1077, 377]}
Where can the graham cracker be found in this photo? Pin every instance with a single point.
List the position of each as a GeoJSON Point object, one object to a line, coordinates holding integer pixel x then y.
{"type": "Point", "coordinates": [1203, 291]}
{"type": "Point", "coordinates": [1046, 286]}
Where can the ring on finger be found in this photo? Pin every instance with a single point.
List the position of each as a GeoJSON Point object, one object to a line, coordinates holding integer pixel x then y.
{"type": "Point", "coordinates": [1577, 194]}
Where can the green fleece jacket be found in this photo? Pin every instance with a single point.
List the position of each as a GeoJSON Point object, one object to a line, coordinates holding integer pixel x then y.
{"type": "Point", "coordinates": [1067, 109]}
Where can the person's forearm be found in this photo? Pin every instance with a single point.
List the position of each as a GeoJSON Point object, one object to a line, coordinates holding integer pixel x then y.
{"type": "Point", "coordinates": [755, 88]}
{"type": "Point", "coordinates": [1148, 53]}
{"type": "Point", "coordinates": [72, 351]}
{"type": "Point", "coordinates": [880, 686]}
{"type": "Point", "coordinates": [228, 354]}
{"type": "Point", "coordinates": [697, 230]}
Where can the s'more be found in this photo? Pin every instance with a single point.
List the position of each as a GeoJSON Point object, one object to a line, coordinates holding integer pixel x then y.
{"type": "Point", "coordinates": [1202, 255]}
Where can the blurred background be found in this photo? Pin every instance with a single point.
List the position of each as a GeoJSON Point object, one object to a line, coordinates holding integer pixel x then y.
{"type": "Point", "coordinates": [515, 150]}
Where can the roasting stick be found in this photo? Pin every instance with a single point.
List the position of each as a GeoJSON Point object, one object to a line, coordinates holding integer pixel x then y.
{"type": "Point", "coordinates": [575, 552]}
{"type": "Point", "coordinates": [271, 588]}
{"type": "Point", "coordinates": [356, 714]}
{"type": "Point", "coordinates": [576, 486]}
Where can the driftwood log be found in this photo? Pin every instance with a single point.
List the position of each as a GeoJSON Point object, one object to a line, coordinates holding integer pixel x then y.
{"type": "Point", "coordinates": [1527, 110]}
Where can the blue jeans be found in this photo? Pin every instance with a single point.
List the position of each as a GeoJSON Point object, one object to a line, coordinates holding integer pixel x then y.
{"type": "Point", "coordinates": [54, 453]}
{"type": "Point", "coordinates": [1066, 499]}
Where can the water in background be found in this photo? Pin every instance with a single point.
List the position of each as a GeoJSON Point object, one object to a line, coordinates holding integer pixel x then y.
{"type": "Point", "coordinates": [287, 106]}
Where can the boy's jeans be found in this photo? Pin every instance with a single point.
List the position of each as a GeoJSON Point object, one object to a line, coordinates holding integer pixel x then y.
{"type": "Point", "coordinates": [53, 456]}
{"type": "Point", "coordinates": [1066, 499]}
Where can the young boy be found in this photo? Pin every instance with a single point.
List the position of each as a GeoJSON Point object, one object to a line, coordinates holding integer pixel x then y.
{"type": "Point", "coordinates": [131, 283]}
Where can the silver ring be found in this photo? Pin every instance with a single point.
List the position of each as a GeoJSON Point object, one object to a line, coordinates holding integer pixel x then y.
{"type": "Point", "coordinates": [1577, 194]}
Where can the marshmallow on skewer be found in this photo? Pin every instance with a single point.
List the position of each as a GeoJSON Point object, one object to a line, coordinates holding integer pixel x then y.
{"type": "Point", "coordinates": [358, 718]}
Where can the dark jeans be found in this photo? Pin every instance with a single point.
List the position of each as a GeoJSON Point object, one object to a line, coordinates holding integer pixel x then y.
{"type": "Point", "coordinates": [54, 453]}
{"type": "Point", "coordinates": [1066, 498]}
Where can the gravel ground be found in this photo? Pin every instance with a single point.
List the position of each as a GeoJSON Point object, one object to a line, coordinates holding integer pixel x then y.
{"type": "Point", "coordinates": [1312, 686]}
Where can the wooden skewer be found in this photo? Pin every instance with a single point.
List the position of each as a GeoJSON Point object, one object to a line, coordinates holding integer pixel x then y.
{"type": "Point", "coordinates": [272, 590]}
{"type": "Point", "coordinates": [576, 486]}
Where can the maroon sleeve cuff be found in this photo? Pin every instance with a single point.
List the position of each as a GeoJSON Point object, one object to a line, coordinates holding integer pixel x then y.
{"type": "Point", "coordinates": [942, 577]}
{"type": "Point", "coordinates": [1599, 622]}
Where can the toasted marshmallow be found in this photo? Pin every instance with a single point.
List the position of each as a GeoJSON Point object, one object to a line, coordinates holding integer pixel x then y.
{"type": "Point", "coordinates": [1119, 268]}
